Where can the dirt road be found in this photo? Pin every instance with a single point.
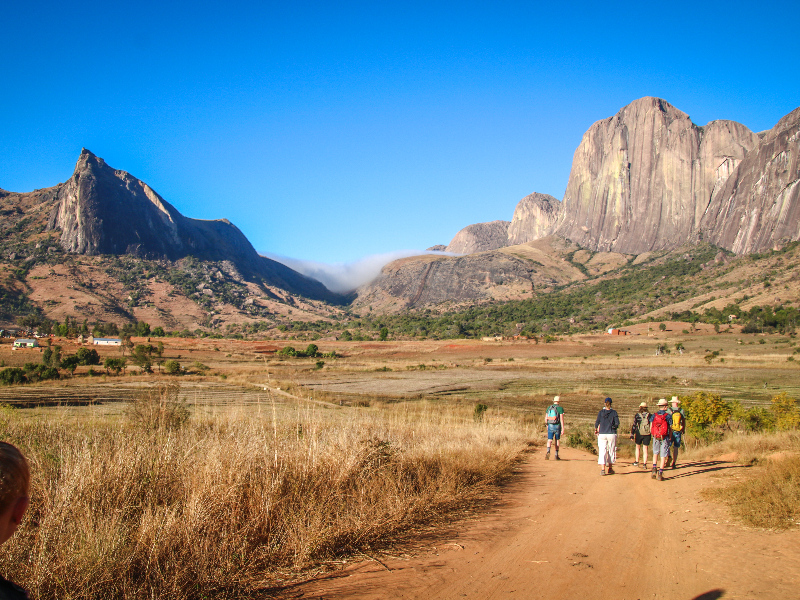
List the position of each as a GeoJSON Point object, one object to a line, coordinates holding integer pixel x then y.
{"type": "Point", "coordinates": [561, 531]}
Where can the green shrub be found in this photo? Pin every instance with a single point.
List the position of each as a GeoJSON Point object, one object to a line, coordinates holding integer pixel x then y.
{"type": "Point", "coordinates": [480, 409]}
{"type": "Point", "coordinates": [172, 367]}
{"type": "Point", "coordinates": [12, 376]}
{"type": "Point", "coordinates": [582, 438]}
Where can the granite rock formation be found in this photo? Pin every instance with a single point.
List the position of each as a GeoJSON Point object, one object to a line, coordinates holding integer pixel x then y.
{"type": "Point", "coordinates": [480, 237]}
{"type": "Point", "coordinates": [757, 207]}
{"type": "Point", "coordinates": [101, 210]}
{"type": "Point", "coordinates": [534, 218]}
{"type": "Point", "coordinates": [642, 179]}
{"type": "Point", "coordinates": [437, 248]}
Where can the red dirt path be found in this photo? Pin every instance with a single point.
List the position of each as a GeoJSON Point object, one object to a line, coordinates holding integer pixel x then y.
{"type": "Point", "coordinates": [563, 531]}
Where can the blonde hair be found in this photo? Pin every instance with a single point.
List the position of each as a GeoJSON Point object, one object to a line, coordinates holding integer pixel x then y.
{"type": "Point", "coordinates": [15, 476]}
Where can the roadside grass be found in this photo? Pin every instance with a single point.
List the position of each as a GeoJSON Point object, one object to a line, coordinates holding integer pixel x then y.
{"type": "Point", "coordinates": [149, 504]}
{"type": "Point", "coordinates": [768, 494]}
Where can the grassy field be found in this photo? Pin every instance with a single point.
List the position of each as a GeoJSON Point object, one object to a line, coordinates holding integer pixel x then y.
{"type": "Point", "coordinates": [251, 468]}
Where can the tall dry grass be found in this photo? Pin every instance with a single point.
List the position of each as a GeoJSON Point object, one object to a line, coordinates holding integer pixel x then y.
{"type": "Point", "coordinates": [768, 494]}
{"type": "Point", "coordinates": [229, 503]}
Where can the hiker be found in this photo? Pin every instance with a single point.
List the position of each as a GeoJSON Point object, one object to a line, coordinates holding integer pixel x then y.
{"type": "Point", "coordinates": [677, 418]}
{"type": "Point", "coordinates": [640, 433]}
{"type": "Point", "coordinates": [605, 428]}
{"type": "Point", "coordinates": [660, 430]}
{"type": "Point", "coordinates": [554, 417]}
{"type": "Point", "coordinates": [15, 482]}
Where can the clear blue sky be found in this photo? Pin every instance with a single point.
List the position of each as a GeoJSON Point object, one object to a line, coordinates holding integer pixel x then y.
{"type": "Point", "coordinates": [329, 131]}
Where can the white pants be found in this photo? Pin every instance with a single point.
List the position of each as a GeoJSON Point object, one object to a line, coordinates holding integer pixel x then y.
{"type": "Point", "coordinates": [607, 448]}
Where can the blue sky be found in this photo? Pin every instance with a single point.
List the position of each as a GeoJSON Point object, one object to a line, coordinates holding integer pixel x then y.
{"type": "Point", "coordinates": [331, 131]}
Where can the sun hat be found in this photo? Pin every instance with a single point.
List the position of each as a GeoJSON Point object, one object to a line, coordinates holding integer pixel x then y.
{"type": "Point", "coordinates": [662, 402]}
{"type": "Point", "coordinates": [643, 405]}
{"type": "Point", "coordinates": [557, 399]}
{"type": "Point", "coordinates": [675, 399]}
{"type": "Point", "coordinates": [609, 400]}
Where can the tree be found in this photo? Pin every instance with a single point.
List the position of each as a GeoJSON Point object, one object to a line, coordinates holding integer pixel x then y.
{"type": "Point", "coordinates": [172, 367]}
{"type": "Point", "coordinates": [88, 356]}
{"type": "Point", "coordinates": [384, 334]}
{"type": "Point", "coordinates": [159, 332]}
{"type": "Point", "coordinates": [51, 356]}
{"type": "Point", "coordinates": [786, 411]}
{"type": "Point", "coordinates": [12, 376]}
{"type": "Point", "coordinates": [662, 326]}
{"type": "Point", "coordinates": [312, 350]}
{"type": "Point", "coordinates": [115, 364]}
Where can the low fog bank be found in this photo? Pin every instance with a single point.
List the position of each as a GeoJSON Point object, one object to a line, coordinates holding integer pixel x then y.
{"type": "Point", "coordinates": [345, 277]}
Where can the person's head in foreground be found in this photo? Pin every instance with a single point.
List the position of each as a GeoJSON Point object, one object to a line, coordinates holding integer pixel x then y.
{"type": "Point", "coordinates": [643, 407]}
{"type": "Point", "coordinates": [556, 400]}
{"type": "Point", "coordinates": [676, 404]}
{"type": "Point", "coordinates": [662, 404]}
{"type": "Point", "coordinates": [607, 403]}
{"type": "Point", "coordinates": [15, 483]}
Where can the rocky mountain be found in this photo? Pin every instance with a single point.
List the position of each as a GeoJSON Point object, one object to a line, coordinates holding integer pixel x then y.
{"type": "Point", "coordinates": [480, 237]}
{"type": "Point", "coordinates": [642, 179]}
{"type": "Point", "coordinates": [649, 179]}
{"type": "Point", "coordinates": [102, 210]}
{"type": "Point", "coordinates": [452, 282]}
{"type": "Point", "coordinates": [534, 218]}
{"type": "Point", "coordinates": [757, 206]}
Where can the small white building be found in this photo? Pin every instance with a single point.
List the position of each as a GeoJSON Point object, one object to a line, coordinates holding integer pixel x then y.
{"type": "Point", "coordinates": [107, 341]}
{"type": "Point", "coordinates": [25, 343]}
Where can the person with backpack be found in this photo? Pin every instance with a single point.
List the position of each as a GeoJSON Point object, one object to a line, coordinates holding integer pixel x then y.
{"type": "Point", "coordinates": [677, 418]}
{"type": "Point", "coordinates": [640, 433]}
{"type": "Point", "coordinates": [661, 432]}
{"type": "Point", "coordinates": [554, 417]}
{"type": "Point", "coordinates": [605, 428]}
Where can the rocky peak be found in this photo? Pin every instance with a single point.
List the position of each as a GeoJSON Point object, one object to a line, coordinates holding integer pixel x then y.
{"type": "Point", "coordinates": [642, 179]}
{"type": "Point", "coordinates": [534, 218]}
{"type": "Point", "coordinates": [480, 237]}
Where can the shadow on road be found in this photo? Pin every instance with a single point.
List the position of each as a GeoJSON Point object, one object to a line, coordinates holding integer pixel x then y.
{"type": "Point", "coordinates": [710, 595]}
{"type": "Point", "coordinates": [696, 468]}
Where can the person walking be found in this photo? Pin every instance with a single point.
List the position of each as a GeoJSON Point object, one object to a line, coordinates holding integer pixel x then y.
{"type": "Point", "coordinates": [660, 430]}
{"type": "Point", "coordinates": [677, 422]}
{"type": "Point", "coordinates": [605, 428]}
{"type": "Point", "coordinates": [554, 417]}
{"type": "Point", "coordinates": [640, 433]}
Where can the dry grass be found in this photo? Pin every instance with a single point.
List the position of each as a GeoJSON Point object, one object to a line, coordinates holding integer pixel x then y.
{"type": "Point", "coordinates": [769, 493]}
{"type": "Point", "coordinates": [233, 502]}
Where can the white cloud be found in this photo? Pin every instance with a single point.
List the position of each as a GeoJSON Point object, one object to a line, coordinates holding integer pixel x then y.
{"type": "Point", "coordinates": [345, 277]}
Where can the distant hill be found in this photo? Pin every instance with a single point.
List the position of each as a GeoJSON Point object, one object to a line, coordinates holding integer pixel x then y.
{"type": "Point", "coordinates": [105, 246]}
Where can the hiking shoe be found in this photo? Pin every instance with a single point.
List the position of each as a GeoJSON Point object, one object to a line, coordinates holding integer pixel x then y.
{"type": "Point", "coordinates": [636, 464]}
{"type": "Point", "coordinates": [558, 457]}
{"type": "Point", "coordinates": [653, 475]}
{"type": "Point", "coordinates": [660, 476]}
{"type": "Point", "coordinates": [674, 465]}
{"type": "Point", "coordinates": [547, 456]}
{"type": "Point", "coordinates": [610, 471]}
{"type": "Point", "coordinates": [669, 460]}
{"type": "Point", "coordinates": [602, 473]}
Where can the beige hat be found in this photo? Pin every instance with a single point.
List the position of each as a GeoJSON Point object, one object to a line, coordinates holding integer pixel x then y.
{"type": "Point", "coordinates": [662, 402]}
{"type": "Point", "coordinates": [643, 405]}
{"type": "Point", "coordinates": [675, 399]}
{"type": "Point", "coordinates": [557, 399]}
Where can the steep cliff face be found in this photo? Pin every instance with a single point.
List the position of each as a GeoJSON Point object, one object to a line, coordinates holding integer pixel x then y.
{"type": "Point", "coordinates": [642, 179]}
{"type": "Point", "coordinates": [758, 205]}
{"type": "Point", "coordinates": [101, 210]}
{"type": "Point", "coordinates": [534, 218]}
{"type": "Point", "coordinates": [480, 237]}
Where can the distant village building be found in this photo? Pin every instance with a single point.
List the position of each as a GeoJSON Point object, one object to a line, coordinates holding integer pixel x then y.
{"type": "Point", "coordinates": [615, 331]}
{"type": "Point", "coordinates": [25, 343]}
{"type": "Point", "coordinates": [107, 341]}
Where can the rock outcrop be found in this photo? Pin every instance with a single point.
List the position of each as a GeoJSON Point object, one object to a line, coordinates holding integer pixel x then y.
{"type": "Point", "coordinates": [480, 237]}
{"type": "Point", "coordinates": [101, 210]}
{"type": "Point", "coordinates": [642, 179]}
{"type": "Point", "coordinates": [757, 206]}
{"type": "Point", "coordinates": [437, 248]}
{"type": "Point", "coordinates": [534, 218]}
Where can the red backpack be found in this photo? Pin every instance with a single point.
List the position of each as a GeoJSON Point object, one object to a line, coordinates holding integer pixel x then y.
{"type": "Point", "coordinates": [660, 426]}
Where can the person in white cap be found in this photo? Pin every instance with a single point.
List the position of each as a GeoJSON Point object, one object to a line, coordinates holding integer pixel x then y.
{"type": "Point", "coordinates": [640, 433]}
{"type": "Point", "coordinates": [677, 418]}
{"type": "Point", "coordinates": [554, 417]}
{"type": "Point", "coordinates": [660, 430]}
